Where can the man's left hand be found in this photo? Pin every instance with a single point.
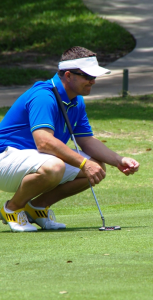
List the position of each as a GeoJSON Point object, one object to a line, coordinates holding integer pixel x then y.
{"type": "Point", "coordinates": [128, 166]}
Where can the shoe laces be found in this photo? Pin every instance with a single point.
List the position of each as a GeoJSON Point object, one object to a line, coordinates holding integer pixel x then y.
{"type": "Point", "coordinates": [22, 218]}
{"type": "Point", "coordinates": [50, 218]}
{"type": "Point", "coordinates": [51, 215]}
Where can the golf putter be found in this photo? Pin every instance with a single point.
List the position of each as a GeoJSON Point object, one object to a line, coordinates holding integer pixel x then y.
{"type": "Point", "coordinates": [61, 105]}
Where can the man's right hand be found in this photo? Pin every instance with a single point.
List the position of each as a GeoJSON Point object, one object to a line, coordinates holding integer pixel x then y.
{"type": "Point", "coordinates": [94, 172]}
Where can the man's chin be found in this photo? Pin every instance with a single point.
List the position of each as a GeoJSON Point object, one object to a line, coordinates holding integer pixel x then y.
{"type": "Point", "coordinates": [86, 92]}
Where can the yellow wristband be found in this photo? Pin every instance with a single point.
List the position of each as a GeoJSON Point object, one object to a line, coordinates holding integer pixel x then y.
{"type": "Point", "coordinates": [83, 163]}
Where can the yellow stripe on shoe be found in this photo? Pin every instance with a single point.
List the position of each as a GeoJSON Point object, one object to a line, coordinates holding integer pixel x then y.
{"type": "Point", "coordinates": [45, 218]}
{"type": "Point", "coordinates": [17, 220]}
{"type": "Point", "coordinates": [34, 213]}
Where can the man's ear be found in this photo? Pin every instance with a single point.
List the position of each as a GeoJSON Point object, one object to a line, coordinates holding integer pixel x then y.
{"type": "Point", "coordinates": [67, 75]}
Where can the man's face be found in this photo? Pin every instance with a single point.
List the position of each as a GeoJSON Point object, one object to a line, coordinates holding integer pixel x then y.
{"type": "Point", "coordinates": [80, 83]}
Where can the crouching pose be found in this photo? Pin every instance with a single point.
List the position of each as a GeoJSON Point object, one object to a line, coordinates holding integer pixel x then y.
{"type": "Point", "coordinates": [35, 162]}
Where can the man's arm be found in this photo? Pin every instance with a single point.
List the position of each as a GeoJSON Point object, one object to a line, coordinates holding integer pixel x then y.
{"type": "Point", "coordinates": [47, 143]}
{"type": "Point", "coordinates": [100, 152]}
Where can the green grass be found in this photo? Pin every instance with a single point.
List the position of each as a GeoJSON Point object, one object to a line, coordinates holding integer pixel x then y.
{"type": "Point", "coordinates": [52, 26]}
{"type": "Point", "coordinates": [82, 261]}
{"type": "Point", "coordinates": [18, 76]}
{"type": "Point", "coordinates": [32, 31]}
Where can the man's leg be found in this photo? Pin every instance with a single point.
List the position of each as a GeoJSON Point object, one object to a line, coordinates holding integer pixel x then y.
{"type": "Point", "coordinates": [47, 177]}
{"type": "Point", "coordinates": [44, 184]}
{"type": "Point", "coordinates": [62, 191]}
{"type": "Point", "coordinates": [38, 210]}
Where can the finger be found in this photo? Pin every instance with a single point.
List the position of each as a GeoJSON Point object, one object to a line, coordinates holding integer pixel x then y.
{"type": "Point", "coordinates": [133, 170]}
{"type": "Point", "coordinates": [101, 176]}
{"type": "Point", "coordinates": [129, 172]}
{"type": "Point", "coordinates": [98, 179]}
{"type": "Point", "coordinates": [126, 172]}
{"type": "Point", "coordinates": [92, 182]}
{"type": "Point", "coordinates": [135, 164]}
{"type": "Point", "coordinates": [132, 163]}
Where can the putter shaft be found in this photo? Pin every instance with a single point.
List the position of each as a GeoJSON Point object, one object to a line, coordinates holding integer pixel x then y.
{"type": "Point", "coordinates": [61, 105]}
{"type": "Point", "coordinates": [102, 217]}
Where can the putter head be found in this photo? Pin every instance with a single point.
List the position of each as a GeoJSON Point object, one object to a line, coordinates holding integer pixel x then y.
{"type": "Point", "coordinates": [110, 228]}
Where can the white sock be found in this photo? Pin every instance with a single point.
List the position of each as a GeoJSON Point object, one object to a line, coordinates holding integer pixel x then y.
{"type": "Point", "coordinates": [8, 210]}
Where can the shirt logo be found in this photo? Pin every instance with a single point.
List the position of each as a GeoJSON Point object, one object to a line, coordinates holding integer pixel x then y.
{"type": "Point", "coordinates": [65, 126]}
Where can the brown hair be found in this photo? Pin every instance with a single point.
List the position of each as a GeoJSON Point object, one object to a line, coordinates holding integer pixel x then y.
{"type": "Point", "coordinates": [74, 53]}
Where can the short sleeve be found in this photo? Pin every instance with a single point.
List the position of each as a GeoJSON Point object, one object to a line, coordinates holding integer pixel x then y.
{"type": "Point", "coordinates": [42, 110]}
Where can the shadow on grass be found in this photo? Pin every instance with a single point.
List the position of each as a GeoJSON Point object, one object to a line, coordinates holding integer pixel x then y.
{"type": "Point", "coordinates": [131, 227]}
{"type": "Point", "coordinates": [73, 229]}
{"type": "Point", "coordinates": [89, 228]}
{"type": "Point", "coordinates": [59, 230]}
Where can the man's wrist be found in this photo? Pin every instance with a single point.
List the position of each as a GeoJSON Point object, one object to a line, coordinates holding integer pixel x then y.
{"type": "Point", "coordinates": [83, 163]}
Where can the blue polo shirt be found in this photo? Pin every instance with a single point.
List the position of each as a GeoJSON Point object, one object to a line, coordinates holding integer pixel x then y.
{"type": "Point", "coordinates": [38, 108]}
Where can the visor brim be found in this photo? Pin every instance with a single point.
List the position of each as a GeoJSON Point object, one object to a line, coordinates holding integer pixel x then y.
{"type": "Point", "coordinates": [95, 71]}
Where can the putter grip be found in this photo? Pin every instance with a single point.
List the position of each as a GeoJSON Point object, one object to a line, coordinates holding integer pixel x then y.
{"type": "Point", "coordinates": [61, 105]}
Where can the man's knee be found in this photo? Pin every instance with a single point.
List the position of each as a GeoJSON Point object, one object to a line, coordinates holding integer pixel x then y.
{"type": "Point", "coordinates": [52, 171]}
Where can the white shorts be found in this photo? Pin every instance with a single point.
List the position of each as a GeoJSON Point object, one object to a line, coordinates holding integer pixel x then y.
{"type": "Point", "coordinates": [15, 164]}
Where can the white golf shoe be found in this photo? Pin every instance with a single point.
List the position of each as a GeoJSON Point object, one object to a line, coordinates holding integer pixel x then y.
{"type": "Point", "coordinates": [17, 220]}
{"type": "Point", "coordinates": [45, 218]}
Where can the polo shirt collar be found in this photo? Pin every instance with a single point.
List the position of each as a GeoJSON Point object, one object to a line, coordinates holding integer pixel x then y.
{"type": "Point", "coordinates": [62, 91]}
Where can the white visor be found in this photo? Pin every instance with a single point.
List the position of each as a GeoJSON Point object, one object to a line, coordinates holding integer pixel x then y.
{"type": "Point", "coordinates": [89, 65]}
